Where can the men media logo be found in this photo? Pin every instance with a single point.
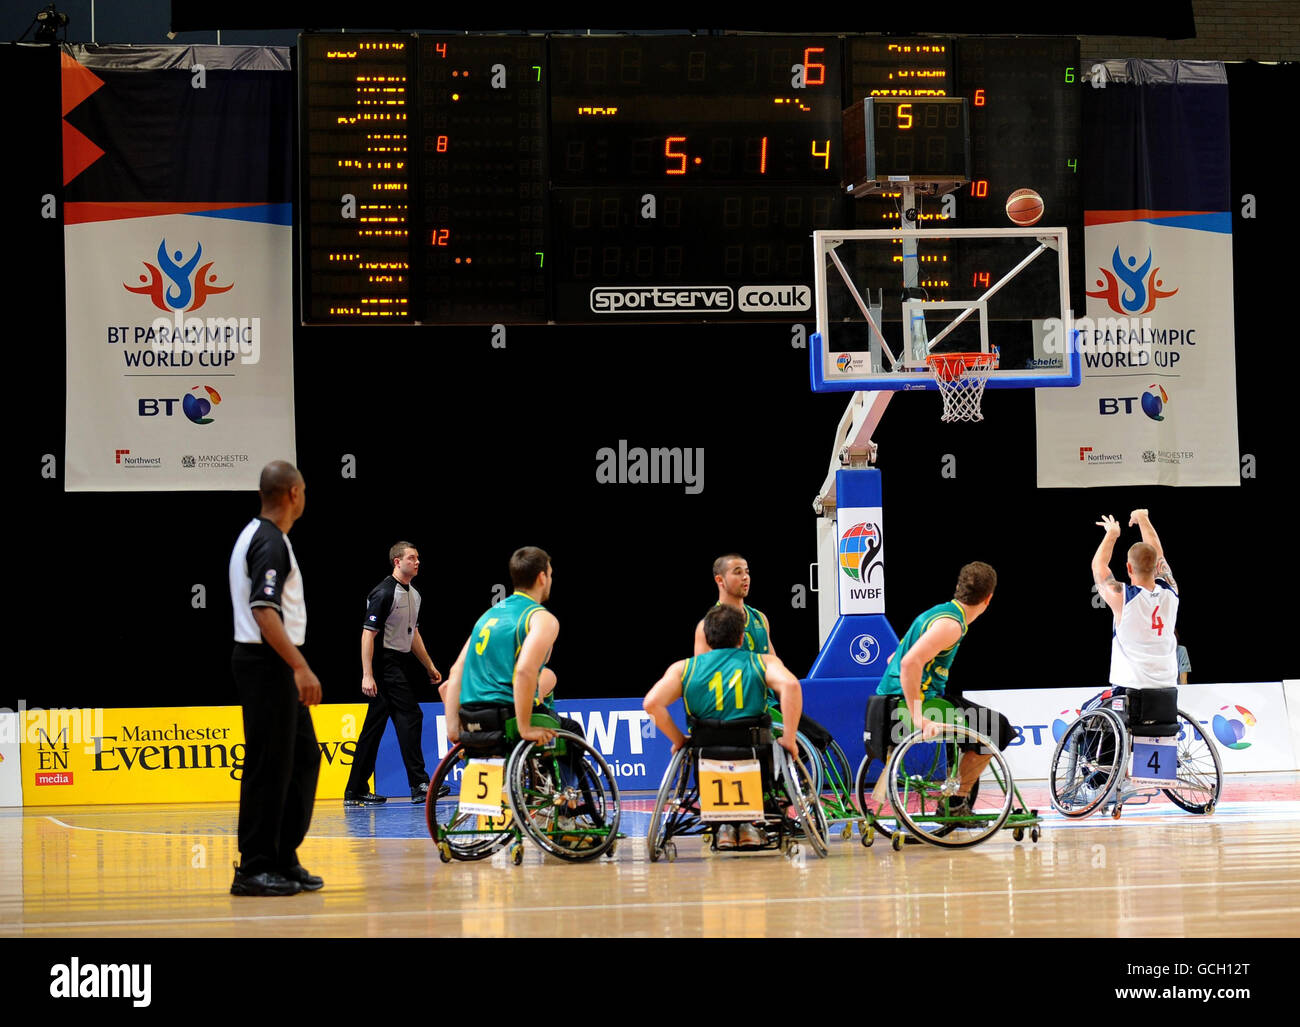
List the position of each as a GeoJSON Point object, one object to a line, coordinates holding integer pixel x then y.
{"type": "Point", "coordinates": [1131, 289]}
{"type": "Point", "coordinates": [859, 546]}
{"type": "Point", "coordinates": [865, 650]}
{"type": "Point", "coordinates": [1153, 402]}
{"type": "Point", "coordinates": [173, 285]}
{"type": "Point", "coordinates": [196, 406]}
{"type": "Point", "coordinates": [1232, 725]}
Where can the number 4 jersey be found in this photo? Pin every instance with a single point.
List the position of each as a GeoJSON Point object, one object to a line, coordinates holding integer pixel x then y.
{"type": "Point", "coordinates": [1143, 651]}
{"type": "Point", "coordinates": [725, 684]}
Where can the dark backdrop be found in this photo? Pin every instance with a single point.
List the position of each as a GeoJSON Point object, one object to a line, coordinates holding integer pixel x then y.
{"type": "Point", "coordinates": [470, 451]}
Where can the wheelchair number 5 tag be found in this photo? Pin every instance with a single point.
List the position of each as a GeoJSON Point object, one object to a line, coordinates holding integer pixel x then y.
{"type": "Point", "coordinates": [1155, 761]}
{"type": "Point", "coordinates": [480, 787]}
{"type": "Point", "coordinates": [730, 790]}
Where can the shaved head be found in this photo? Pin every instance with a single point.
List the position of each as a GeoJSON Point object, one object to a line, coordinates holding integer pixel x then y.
{"type": "Point", "coordinates": [1142, 558]}
{"type": "Point", "coordinates": [278, 477]}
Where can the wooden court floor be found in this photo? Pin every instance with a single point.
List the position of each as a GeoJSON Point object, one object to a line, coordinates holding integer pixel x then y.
{"type": "Point", "coordinates": [164, 871]}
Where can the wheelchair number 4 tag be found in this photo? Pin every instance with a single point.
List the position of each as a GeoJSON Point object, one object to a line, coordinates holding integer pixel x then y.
{"type": "Point", "coordinates": [480, 788]}
{"type": "Point", "coordinates": [1155, 761]}
{"type": "Point", "coordinates": [731, 790]}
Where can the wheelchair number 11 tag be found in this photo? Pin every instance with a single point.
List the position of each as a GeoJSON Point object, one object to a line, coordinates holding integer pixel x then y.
{"type": "Point", "coordinates": [730, 790]}
{"type": "Point", "coordinates": [1155, 761]}
{"type": "Point", "coordinates": [480, 787]}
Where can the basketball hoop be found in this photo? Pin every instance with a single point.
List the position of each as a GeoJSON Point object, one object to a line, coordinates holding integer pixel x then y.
{"type": "Point", "coordinates": [961, 378]}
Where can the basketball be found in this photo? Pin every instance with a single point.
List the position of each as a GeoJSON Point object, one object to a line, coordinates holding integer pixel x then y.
{"type": "Point", "coordinates": [1024, 207]}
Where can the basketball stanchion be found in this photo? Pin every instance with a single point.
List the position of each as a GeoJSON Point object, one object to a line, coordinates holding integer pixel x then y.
{"type": "Point", "coordinates": [961, 378]}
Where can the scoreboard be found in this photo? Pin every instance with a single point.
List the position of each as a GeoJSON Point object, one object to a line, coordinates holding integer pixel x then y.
{"type": "Point", "coordinates": [602, 179]}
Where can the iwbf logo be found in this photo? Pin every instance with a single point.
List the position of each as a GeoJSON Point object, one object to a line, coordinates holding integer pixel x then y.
{"type": "Point", "coordinates": [174, 285]}
{"type": "Point", "coordinates": [859, 547]}
{"type": "Point", "coordinates": [1131, 289]}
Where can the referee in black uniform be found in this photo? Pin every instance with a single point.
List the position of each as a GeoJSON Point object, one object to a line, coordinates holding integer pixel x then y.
{"type": "Point", "coordinates": [281, 756]}
{"type": "Point", "coordinates": [392, 619]}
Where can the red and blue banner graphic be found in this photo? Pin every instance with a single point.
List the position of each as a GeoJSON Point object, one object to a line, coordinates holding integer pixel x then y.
{"type": "Point", "coordinates": [178, 239]}
{"type": "Point", "coordinates": [1158, 402]}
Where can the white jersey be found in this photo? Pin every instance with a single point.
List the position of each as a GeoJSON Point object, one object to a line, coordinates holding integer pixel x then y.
{"type": "Point", "coordinates": [1143, 652]}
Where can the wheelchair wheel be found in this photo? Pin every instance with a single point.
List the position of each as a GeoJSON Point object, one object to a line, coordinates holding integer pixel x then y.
{"type": "Point", "coordinates": [879, 814]}
{"type": "Point", "coordinates": [1200, 774]}
{"type": "Point", "coordinates": [1088, 763]}
{"type": "Point", "coordinates": [837, 782]}
{"type": "Point", "coordinates": [804, 805]}
{"type": "Point", "coordinates": [463, 836]}
{"type": "Point", "coordinates": [923, 801]}
{"type": "Point", "coordinates": [676, 809]}
{"type": "Point", "coordinates": [564, 797]}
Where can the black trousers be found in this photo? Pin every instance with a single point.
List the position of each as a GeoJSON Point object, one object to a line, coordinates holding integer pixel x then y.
{"type": "Point", "coordinates": [395, 699]}
{"type": "Point", "coordinates": [277, 789]}
{"type": "Point", "coordinates": [990, 723]}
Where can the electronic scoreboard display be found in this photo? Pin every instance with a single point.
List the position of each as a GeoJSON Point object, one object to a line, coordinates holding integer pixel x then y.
{"type": "Point", "coordinates": [603, 179]}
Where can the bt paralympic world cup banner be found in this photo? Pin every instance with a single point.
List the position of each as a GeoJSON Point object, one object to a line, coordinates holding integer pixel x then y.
{"type": "Point", "coordinates": [178, 262]}
{"type": "Point", "coordinates": [1158, 402]}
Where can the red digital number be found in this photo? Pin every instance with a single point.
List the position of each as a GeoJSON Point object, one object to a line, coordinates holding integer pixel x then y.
{"type": "Point", "coordinates": [1157, 625]}
{"type": "Point", "coordinates": [979, 98]}
{"type": "Point", "coordinates": [979, 188]}
{"type": "Point", "coordinates": [441, 48]}
{"type": "Point", "coordinates": [980, 278]}
{"type": "Point", "coordinates": [808, 66]}
{"type": "Point", "coordinates": [442, 144]}
{"type": "Point", "coordinates": [440, 236]}
{"type": "Point", "coordinates": [668, 152]}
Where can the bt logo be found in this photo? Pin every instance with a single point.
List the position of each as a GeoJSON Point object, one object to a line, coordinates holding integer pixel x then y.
{"type": "Point", "coordinates": [195, 405]}
{"type": "Point", "coordinates": [1152, 403]}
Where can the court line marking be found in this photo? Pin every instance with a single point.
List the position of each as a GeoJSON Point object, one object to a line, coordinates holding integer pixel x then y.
{"type": "Point", "coordinates": [480, 911]}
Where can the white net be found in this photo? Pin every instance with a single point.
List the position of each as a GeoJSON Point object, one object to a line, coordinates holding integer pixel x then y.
{"type": "Point", "coordinates": [961, 378]}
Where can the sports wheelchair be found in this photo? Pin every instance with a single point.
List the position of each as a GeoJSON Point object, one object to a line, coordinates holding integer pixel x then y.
{"type": "Point", "coordinates": [831, 773]}
{"type": "Point", "coordinates": [915, 793]}
{"type": "Point", "coordinates": [711, 779]}
{"type": "Point", "coordinates": [1130, 747]}
{"type": "Point", "coordinates": [562, 796]}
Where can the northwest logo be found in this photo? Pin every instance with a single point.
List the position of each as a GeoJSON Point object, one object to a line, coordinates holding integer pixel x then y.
{"type": "Point", "coordinates": [859, 547]}
{"type": "Point", "coordinates": [1131, 289]}
{"type": "Point", "coordinates": [173, 283]}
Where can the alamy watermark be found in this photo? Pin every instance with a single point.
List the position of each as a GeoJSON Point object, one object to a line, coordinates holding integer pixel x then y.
{"type": "Point", "coordinates": [212, 341]}
{"type": "Point", "coordinates": [53, 732]}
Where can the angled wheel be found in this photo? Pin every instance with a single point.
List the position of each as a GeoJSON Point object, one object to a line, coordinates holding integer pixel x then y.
{"type": "Point", "coordinates": [872, 794]}
{"type": "Point", "coordinates": [1200, 774]}
{"type": "Point", "coordinates": [924, 801]}
{"type": "Point", "coordinates": [837, 784]}
{"type": "Point", "coordinates": [677, 807]}
{"type": "Point", "coordinates": [1087, 764]}
{"type": "Point", "coordinates": [564, 797]}
{"type": "Point", "coordinates": [460, 835]}
{"type": "Point", "coordinates": [804, 805]}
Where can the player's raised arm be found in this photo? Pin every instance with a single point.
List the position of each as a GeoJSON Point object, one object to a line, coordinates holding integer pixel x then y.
{"type": "Point", "coordinates": [1142, 520]}
{"type": "Point", "coordinates": [666, 691]}
{"type": "Point", "coordinates": [788, 690]}
{"type": "Point", "coordinates": [943, 634]}
{"type": "Point", "coordinates": [542, 632]}
{"type": "Point", "coordinates": [1107, 587]}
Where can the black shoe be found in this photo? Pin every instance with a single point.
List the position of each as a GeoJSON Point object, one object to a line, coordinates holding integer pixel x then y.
{"type": "Point", "coordinates": [444, 790]}
{"type": "Point", "coordinates": [306, 880]}
{"type": "Point", "coordinates": [363, 799]}
{"type": "Point", "coordinates": [420, 794]}
{"type": "Point", "coordinates": [266, 883]}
